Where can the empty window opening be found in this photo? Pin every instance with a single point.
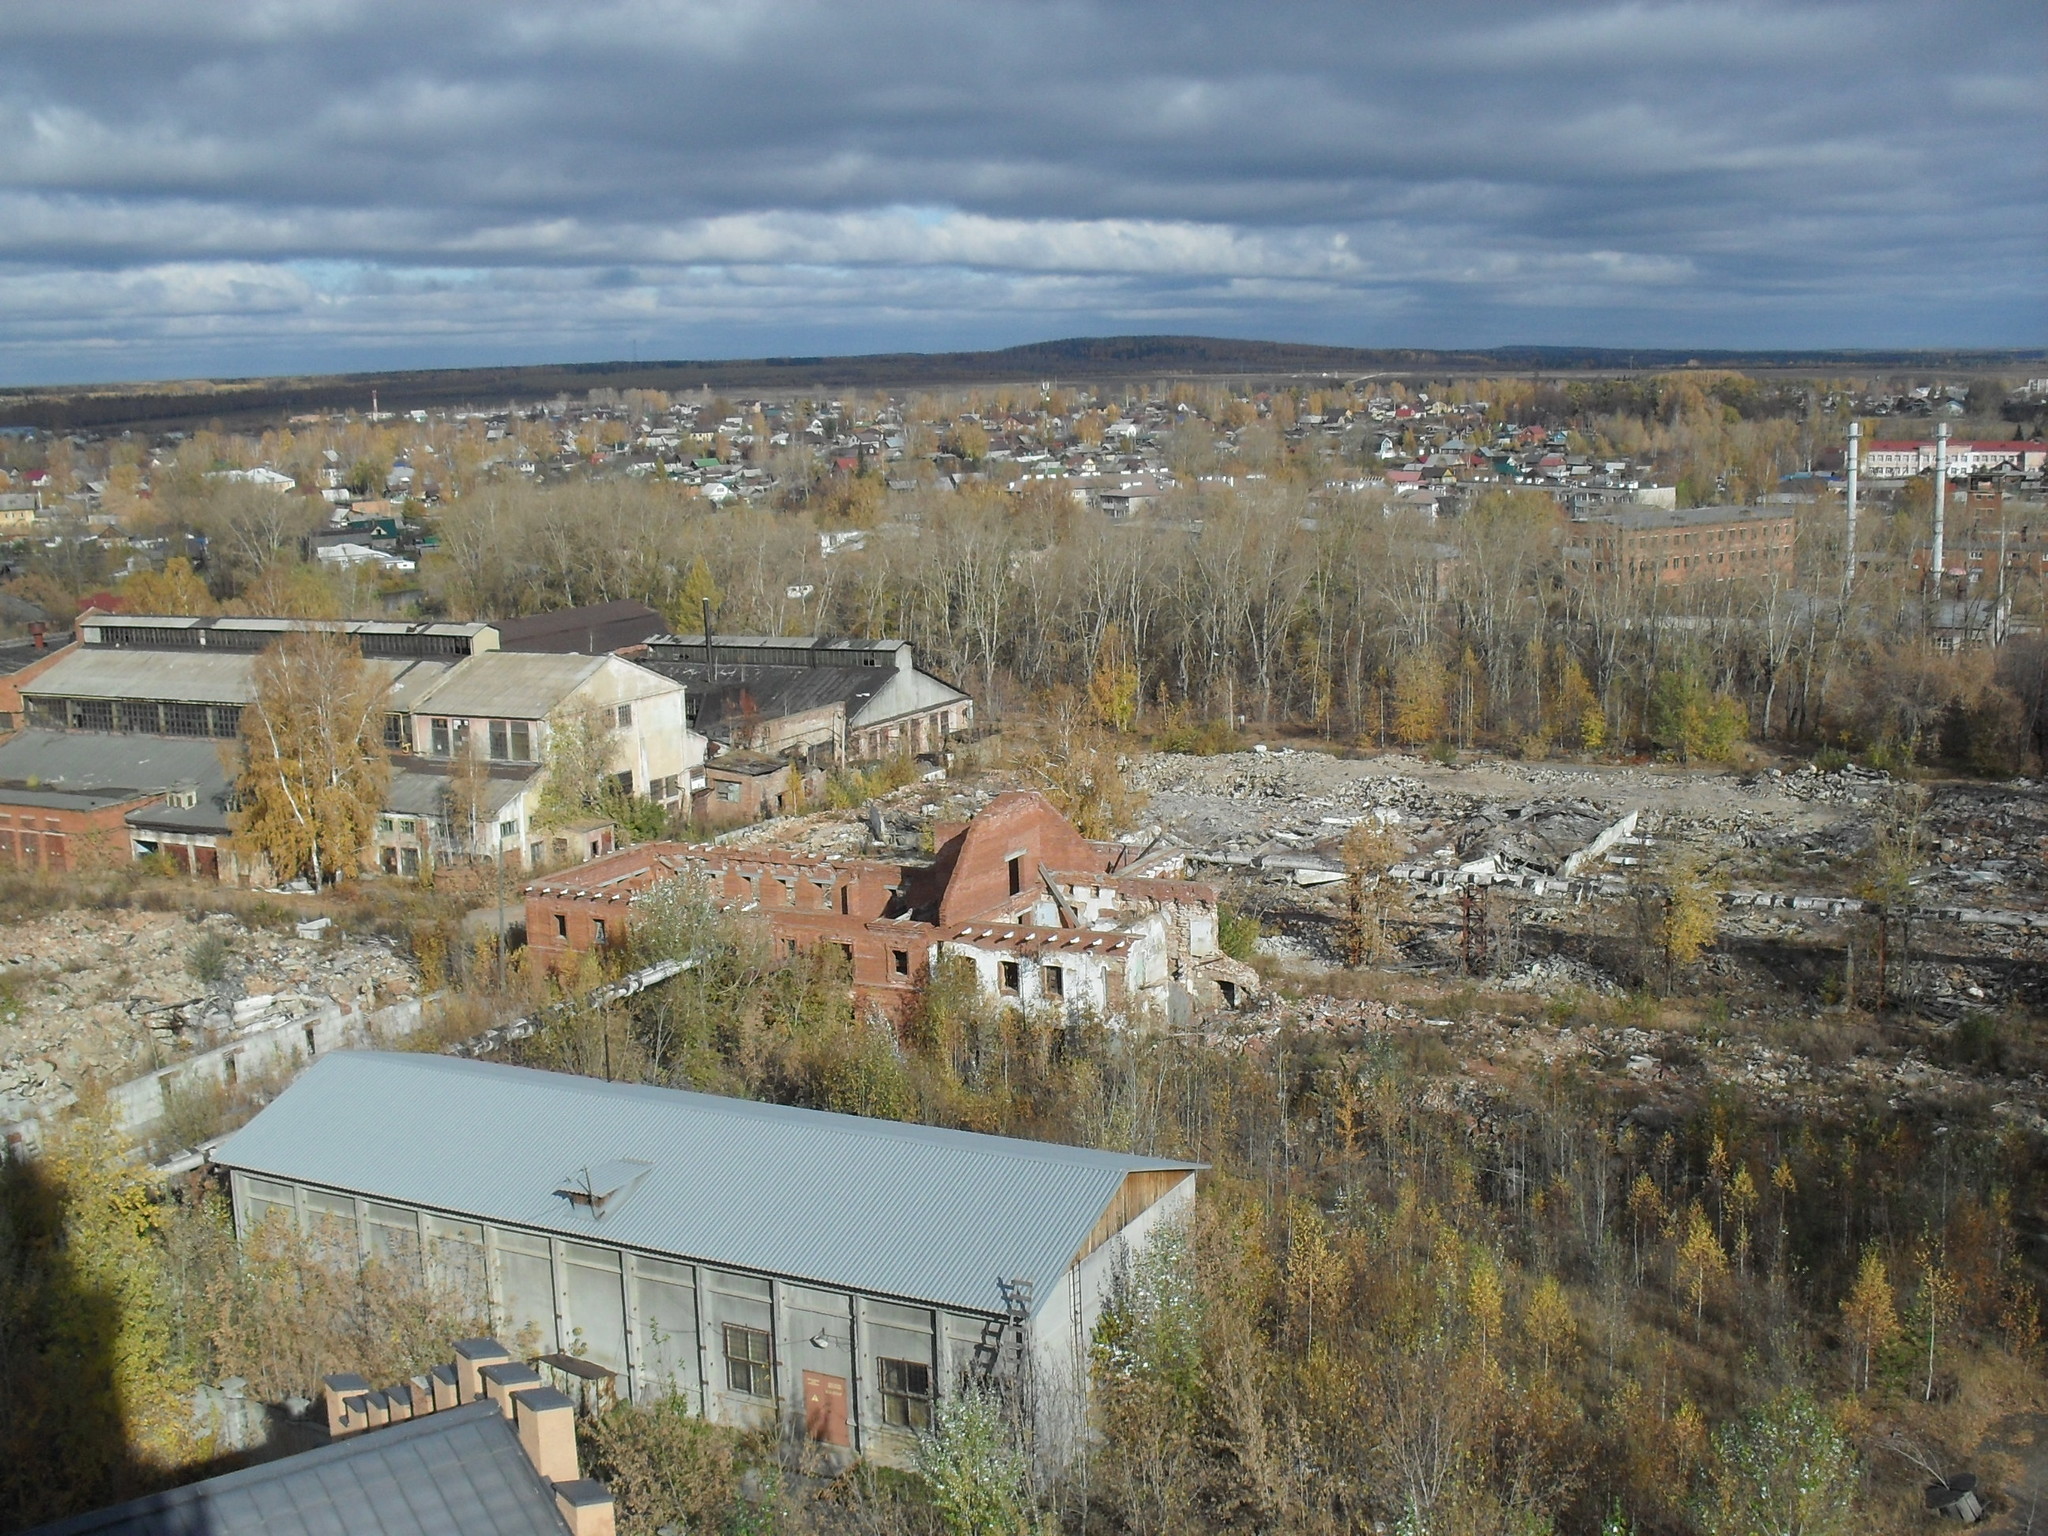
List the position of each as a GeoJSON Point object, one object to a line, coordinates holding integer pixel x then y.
{"type": "Point", "coordinates": [597, 932]}
{"type": "Point", "coordinates": [561, 925]}
{"type": "Point", "coordinates": [1016, 874]}
{"type": "Point", "coordinates": [1055, 981]}
{"type": "Point", "coordinates": [899, 961]}
{"type": "Point", "coordinates": [1007, 973]}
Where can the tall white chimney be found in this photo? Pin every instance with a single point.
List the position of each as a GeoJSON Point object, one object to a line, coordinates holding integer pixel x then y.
{"type": "Point", "coordinates": [1940, 499]}
{"type": "Point", "coordinates": [1855, 452]}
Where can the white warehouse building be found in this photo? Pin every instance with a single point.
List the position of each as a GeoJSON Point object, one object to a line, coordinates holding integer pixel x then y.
{"type": "Point", "coordinates": [829, 1274]}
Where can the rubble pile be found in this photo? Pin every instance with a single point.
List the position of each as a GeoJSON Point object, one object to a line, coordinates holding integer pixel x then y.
{"type": "Point", "coordinates": [1662, 1069]}
{"type": "Point", "coordinates": [106, 996]}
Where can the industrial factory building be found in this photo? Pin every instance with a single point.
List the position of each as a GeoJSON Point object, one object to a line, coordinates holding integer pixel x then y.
{"type": "Point", "coordinates": [832, 1274]}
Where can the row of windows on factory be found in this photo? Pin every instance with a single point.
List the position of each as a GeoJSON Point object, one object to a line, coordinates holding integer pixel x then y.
{"type": "Point", "coordinates": [503, 741]}
{"type": "Point", "coordinates": [663, 1327]}
{"type": "Point", "coordinates": [140, 716]}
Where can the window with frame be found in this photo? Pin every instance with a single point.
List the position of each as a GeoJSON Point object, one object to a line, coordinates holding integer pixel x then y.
{"type": "Point", "coordinates": [186, 720]}
{"type": "Point", "coordinates": [906, 1393]}
{"type": "Point", "coordinates": [394, 733]}
{"type": "Point", "coordinates": [624, 716]}
{"type": "Point", "coordinates": [437, 735]}
{"type": "Point", "coordinates": [508, 831]}
{"type": "Point", "coordinates": [748, 1366]}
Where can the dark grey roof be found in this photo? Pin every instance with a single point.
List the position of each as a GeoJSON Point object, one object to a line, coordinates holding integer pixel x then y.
{"type": "Point", "coordinates": [876, 1206]}
{"type": "Point", "coordinates": [1628, 515]}
{"type": "Point", "coordinates": [723, 696]}
{"type": "Point", "coordinates": [420, 786]}
{"type": "Point", "coordinates": [68, 799]}
{"type": "Point", "coordinates": [115, 762]}
{"type": "Point", "coordinates": [95, 760]}
{"type": "Point", "coordinates": [592, 630]}
{"type": "Point", "coordinates": [17, 654]}
{"type": "Point", "coordinates": [456, 1473]}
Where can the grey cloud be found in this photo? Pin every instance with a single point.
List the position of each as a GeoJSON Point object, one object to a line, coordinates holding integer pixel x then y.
{"type": "Point", "coordinates": [217, 186]}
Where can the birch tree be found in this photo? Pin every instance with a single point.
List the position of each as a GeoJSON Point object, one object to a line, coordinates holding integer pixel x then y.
{"type": "Point", "coordinates": [313, 770]}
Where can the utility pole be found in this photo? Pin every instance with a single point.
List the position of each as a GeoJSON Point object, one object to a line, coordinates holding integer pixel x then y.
{"type": "Point", "coordinates": [1855, 452]}
{"type": "Point", "coordinates": [1940, 501]}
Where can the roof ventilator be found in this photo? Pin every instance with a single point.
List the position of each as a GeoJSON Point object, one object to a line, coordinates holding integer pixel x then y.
{"type": "Point", "coordinates": [604, 1187]}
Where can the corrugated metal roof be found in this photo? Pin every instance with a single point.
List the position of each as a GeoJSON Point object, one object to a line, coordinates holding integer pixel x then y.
{"type": "Point", "coordinates": [421, 788]}
{"type": "Point", "coordinates": [183, 677]}
{"type": "Point", "coordinates": [460, 1472]}
{"type": "Point", "coordinates": [872, 1205]}
{"type": "Point", "coordinates": [203, 677]}
{"type": "Point", "coordinates": [514, 685]}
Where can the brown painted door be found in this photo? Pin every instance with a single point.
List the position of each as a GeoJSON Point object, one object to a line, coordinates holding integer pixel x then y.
{"type": "Point", "coordinates": [825, 1408]}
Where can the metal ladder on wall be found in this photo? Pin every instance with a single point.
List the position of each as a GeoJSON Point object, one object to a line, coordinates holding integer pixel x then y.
{"type": "Point", "coordinates": [1002, 1354]}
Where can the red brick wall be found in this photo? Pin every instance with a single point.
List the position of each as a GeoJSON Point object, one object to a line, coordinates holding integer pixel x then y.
{"type": "Point", "coordinates": [38, 837]}
{"type": "Point", "coordinates": [1020, 823]}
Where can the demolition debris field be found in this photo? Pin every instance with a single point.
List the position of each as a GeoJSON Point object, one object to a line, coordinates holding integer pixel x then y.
{"type": "Point", "coordinates": [1504, 966]}
{"type": "Point", "coordinates": [102, 996]}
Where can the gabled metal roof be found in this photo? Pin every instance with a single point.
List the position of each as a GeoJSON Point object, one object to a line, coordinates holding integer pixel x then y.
{"type": "Point", "coordinates": [877, 1206]}
{"type": "Point", "coordinates": [460, 1472]}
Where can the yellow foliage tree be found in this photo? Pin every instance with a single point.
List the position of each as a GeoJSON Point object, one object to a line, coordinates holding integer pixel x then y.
{"type": "Point", "coordinates": [175, 590]}
{"type": "Point", "coordinates": [1547, 1319]}
{"type": "Point", "coordinates": [1701, 1261]}
{"type": "Point", "coordinates": [1691, 916]}
{"type": "Point", "coordinates": [91, 1379]}
{"type": "Point", "coordinates": [1113, 687]}
{"type": "Point", "coordinates": [313, 766]}
{"type": "Point", "coordinates": [1421, 700]}
{"type": "Point", "coordinates": [1871, 1313]}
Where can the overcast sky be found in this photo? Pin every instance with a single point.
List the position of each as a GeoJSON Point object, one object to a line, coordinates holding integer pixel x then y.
{"type": "Point", "coordinates": [268, 186]}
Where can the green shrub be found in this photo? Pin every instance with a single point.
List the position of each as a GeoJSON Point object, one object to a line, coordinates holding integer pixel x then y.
{"type": "Point", "coordinates": [1197, 738]}
{"type": "Point", "coordinates": [207, 960]}
{"type": "Point", "coordinates": [1237, 932]}
{"type": "Point", "coordinates": [669, 1468]}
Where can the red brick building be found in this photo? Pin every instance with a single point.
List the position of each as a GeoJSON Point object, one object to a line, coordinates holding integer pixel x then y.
{"type": "Point", "coordinates": [1044, 915]}
{"type": "Point", "coordinates": [1674, 546]}
{"type": "Point", "coordinates": [66, 830]}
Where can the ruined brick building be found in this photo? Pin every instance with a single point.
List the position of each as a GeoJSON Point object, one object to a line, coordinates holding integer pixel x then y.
{"type": "Point", "coordinates": [1045, 916]}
